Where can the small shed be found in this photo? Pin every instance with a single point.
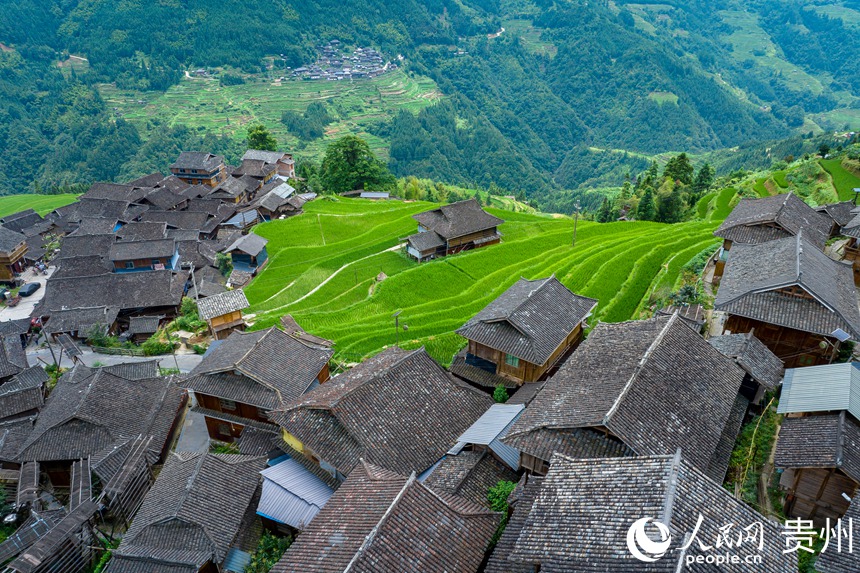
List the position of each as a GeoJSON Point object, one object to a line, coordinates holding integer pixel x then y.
{"type": "Point", "coordinates": [141, 328]}
{"type": "Point", "coordinates": [223, 312]}
{"type": "Point", "coordinates": [291, 494]}
{"type": "Point", "coordinates": [248, 253]}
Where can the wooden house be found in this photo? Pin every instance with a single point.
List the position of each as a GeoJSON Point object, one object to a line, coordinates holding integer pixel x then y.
{"type": "Point", "coordinates": [283, 162]}
{"type": "Point", "coordinates": [258, 169]}
{"type": "Point", "coordinates": [840, 214]}
{"type": "Point", "coordinates": [451, 229]}
{"type": "Point", "coordinates": [635, 388]}
{"type": "Point", "coordinates": [223, 312]}
{"type": "Point", "coordinates": [80, 322]}
{"type": "Point", "coordinates": [384, 521]}
{"type": "Point", "coordinates": [280, 200]}
{"type": "Point", "coordinates": [245, 376]}
{"type": "Point", "coordinates": [234, 190]}
{"type": "Point", "coordinates": [199, 168]}
{"type": "Point", "coordinates": [523, 334]}
{"type": "Point", "coordinates": [801, 303]}
{"type": "Point", "coordinates": [851, 250]}
{"type": "Point", "coordinates": [757, 221]}
{"type": "Point", "coordinates": [202, 530]}
{"type": "Point", "coordinates": [137, 256]}
{"type": "Point", "coordinates": [141, 328]}
{"type": "Point", "coordinates": [399, 409]}
{"type": "Point", "coordinates": [248, 253]}
{"type": "Point", "coordinates": [764, 370]}
{"type": "Point", "coordinates": [577, 518]}
{"type": "Point", "coordinates": [818, 448]}
{"type": "Point", "coordinates": [13, 247]}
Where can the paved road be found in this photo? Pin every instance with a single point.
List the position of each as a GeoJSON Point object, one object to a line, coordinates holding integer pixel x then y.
{"type": "Point", "coordinates": [25, 307]}
{"type": "Point", "coordinates": [186, 362]}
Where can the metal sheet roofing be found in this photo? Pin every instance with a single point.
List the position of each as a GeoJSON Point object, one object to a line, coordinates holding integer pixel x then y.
{"type": "Point", "coordinates": [491, 424]}
{"type": "Point", "coordinates": [291, 494]}
{"type": "Point", "coordinates": [830, 387]}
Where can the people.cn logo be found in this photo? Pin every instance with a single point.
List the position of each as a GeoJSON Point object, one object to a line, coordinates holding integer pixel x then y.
{"type": "Point", "coordinates": [643, 547]}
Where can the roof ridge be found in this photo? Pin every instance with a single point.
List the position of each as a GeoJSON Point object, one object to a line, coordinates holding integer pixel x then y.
{"type": "Point", "coordinates": [657, 340]}
{"type": "Point", "coordinates": [369, 538]}
{"type": "Point", "coordinates": [671, 488]}
{"type": "Point", "coordinates": [376, 374]}
{"type": "Point", "coordinates": [478, 512]}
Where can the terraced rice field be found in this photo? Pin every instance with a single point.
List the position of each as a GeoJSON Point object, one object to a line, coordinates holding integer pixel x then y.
{"type": "Point", "coordinates": [345, 244]}
{"type": "Point", "coordinates": [43, 204]}
{"type": "Point", "coordinates": [844, 181]}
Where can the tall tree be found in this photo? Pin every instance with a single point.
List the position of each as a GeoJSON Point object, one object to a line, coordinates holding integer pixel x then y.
{"type": "Point", "coordinates": [260, 138]}
{"type": "Point", "coordinates": [679, 168]}
{"type": "Point", "coordinates": [349, 164]}
{"type": "Point", "coordinates": [670, 207]}
{"type": "Point", "coordinates": [646, 210]}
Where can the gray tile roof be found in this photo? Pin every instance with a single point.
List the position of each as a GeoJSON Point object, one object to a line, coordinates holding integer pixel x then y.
{"type": "Point", "coordinates": [131, 250]}
{"type": "Point", "coordinates": [840, 213]}
{"type": "Point", "coordinates": [256, 168]}
{"type": "Point", "coordinates": [113, 192]}
{"type": "Point", "coordinates": [126, 291]}
{"type": "Point", "coordinates": [21, 220]}
{"type": "Point", "coordinates": [379, 521]}
{"type": "Point", "coordinates": [267, 156]}
{"type": "Point", "coordinates": [142, 231]}
{"type": "Point", "coordinates": [755, 221]}
{"type": "Point", "coordinates": [425, 241]}
{"type": "Point", "coordinates": [143, 324]}
{"type": "Point", "coordinates": [230, 188]}
{"type": "Point", "coordinates": [521, 500]}
{"type": "Point", "coordinates": [292, 328]}
{"type": "Point", "coordinates": [250, 244]}
{"type": "Point", "coordinates": [221, 304]}
{"type": "Point", "coordinates": [150, 180]}
{"type": "Point", "coordinates": [754, 275]}
{"type": "Point", "coordinates": [266, 368]}
{"type": "Point", "coordinates": [23, 393]}
{"type": "Point", "coordinates": [457, 219]}
{"type": "Point", "coordinates": [192, 220]}
{"type": "Point", "coordinates": [580, 517]}
{"type": "Point", "coordinates": [163, 198]}
{"type": "Point", "coordinates": [95, 226]}
{"type": "Point", "coordinates": [10, 240]}
{"type": "Point", "coordinates": [820, 441]}
{"type": "Point", "coordinates": [80, 320]}
{"type": "Point", "coordinates": [398, 409]}
{"type": "Point", "coordinates": [654, 384]}
{"type": "Point", "coordinates": [74, 246]}
{"type": "Point", "coordinates": [193, 512]}
{"type": "Point", "coordinates": [89, 410]}
{"type": "Point", "coordinates": [199, 160]}
{"type": "Point", "coordinates": [844, 561]}
{"type": "Point", "coordinates": [13, 359]}
{"type": "Point", "coordinates": [753, 356]}
{"type": "Point", "coordinates": [469, 474]}
{"type": "Point", "coordinates": [16, 326]}
{"type": "Point", "coordinates": [530, 320]}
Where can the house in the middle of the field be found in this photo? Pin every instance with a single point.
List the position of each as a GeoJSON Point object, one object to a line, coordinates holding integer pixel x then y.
{"type": "Point", "coordinates": [800, 303]}
{"type": "Point", "coordinates": [250, 373]}
{"type": "Point", "coordinates": [818, 448]}
{"type": "Point", "coordinates": [646, 387]}
{"type": "Point", "coordinates": [452, 228]}
{"type": "Point", "coordinates": [523, 334]}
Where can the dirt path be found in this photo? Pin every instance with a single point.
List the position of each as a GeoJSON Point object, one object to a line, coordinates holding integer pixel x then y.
{"type": "Point", "coordinates": [326, 281]}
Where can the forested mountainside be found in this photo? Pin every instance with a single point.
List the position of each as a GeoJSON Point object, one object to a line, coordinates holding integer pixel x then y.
{"type": "Point", "coordinates": [536, 95]}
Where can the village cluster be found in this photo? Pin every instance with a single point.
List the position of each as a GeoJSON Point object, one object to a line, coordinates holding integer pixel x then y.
{"type": "Point", "coordinates": [386, 466]}
{"type": "Point", "coordinates": [335, 64]}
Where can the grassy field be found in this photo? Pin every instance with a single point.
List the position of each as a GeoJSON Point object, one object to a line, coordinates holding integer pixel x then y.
{"type": "Point", "coordinates": [348, 243]}
{"type": "Point", "coordinates": [43, 204]}
{"type": "Point", "coordinates": [530, 36]}
{"type": "Point", "coordinates": [844, 181]}
{"type": "Point", "coordinates": [663, 97]}
{"type": "Point", "coordinates": [204, 103]}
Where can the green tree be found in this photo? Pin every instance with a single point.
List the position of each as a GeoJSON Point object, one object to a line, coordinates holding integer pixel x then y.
{"type": "Point", "coordinates": [500, 394]}
{"type": "Point", "coordinates": [269, 551]}
{"type": "Point", "coordinates": [679, 168]}
{"type": "Point", "coordinates": [604, 214]}
{"type": "Point", "coordinates": [704, 179]}
{"type": "Point", "coordinates": [670, 207]}
{"type": "Point", "coordinates": [349, 164]}
{"type": "Point", "coordinates": [647, 210]}
{"type": "Point", "coordinates": [260, 138]}
{"type": "Point", "coordinates": [823, 150]}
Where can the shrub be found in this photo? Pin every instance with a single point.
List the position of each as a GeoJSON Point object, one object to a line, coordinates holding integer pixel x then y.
{"type": "Point", "coordinates": [224, 264]}
{"type": "Point", "coordinates": [155, 345]}
{"type": "Point", "coordinates": [200, 348]}
{"type": "Point", "coordinates": [498, 495]}
{"type": "Point", "coordinates": [269, 551]}
{"type": "Point", "coordinates": [224, 448]}
{"type": "Point", "coordinates": [500, 394]}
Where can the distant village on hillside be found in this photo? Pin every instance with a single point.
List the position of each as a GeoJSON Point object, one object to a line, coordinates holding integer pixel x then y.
{"type": "Point", "coordinates": [148, 425]}
{"type": "Point", "coordinates": [336, 64]}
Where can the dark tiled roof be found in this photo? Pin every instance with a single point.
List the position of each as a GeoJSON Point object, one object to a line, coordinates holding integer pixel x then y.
{"type": "Point", "coordinates": [177, 219]}
{"type": "Point", "coordinates": [91, 409]}
{"type": "Point", "coordinates": [522, 505]}
{"type": "Point", "coordinates": [82, 266]}
{"type": "Point", "coordinates": [165, 199]}
{"type": "Point", "coordinates": [469, 474]}
{"type": "Point", "coordinates": [273, 368]}
{"type": "Point", "coordinates": [839, 212]}
{"type": "Point", "coordinates": [530, 320]}
{"type": "Point", "coordinates": [142, 231]}
{"type": "Point", "coordinates": [823, 441]}
{"type": "Point", "coordinates": [138, 370]}
{"type": "Point", "coordinates": [425, 241]}
{"type": "Point", "coordinates": [754, 274]}
{"type": "Point", "coordinates": [457, 219]}
{"type": "Point", "coordinates": [10, 240]}
{"type": "Point", "coordinates": [267, 156]}
{"type": "Point", "coordinates": [655, 384]}
{"type": "Point", "coordinates": [13, 359]}
{"type": "Point", "coordinates": [542, 443]}
{"type": "Point", "coordinates": [150, 180]}
{"type": "Point", "coordinates": [143, 324]}
{"type": "Point", "coordinates": [755, 221]}
{"type": "Point", "coordinates": [125, 291]}
{"type": "Point", "coordinates": [250, 244]}
{"type": "Point", "coordinates": [221, 304]}
{"type": "Point", "coordinates": [113, 192]}
{"type": "Point", "coordinates": [720, 460]}
{"type": "Point", "coordinates": [193, 512]}
{"type": "Point", "coordinates": [95, 226]}
{"type": "Point", "coordinates": [80, 320]}
{"type": "Point", "coordinates": [199, 160]}
{"type": "Point", "coordinates": [379, 521]}
{"type": "Point", "coordinates": [692, 314]}
{"type": "Point", "coordinates": [17, 326]}
{"type": "Point", "coordinates": [106, 208]}
{"type": "Point", "coordinates": [751, 355]}
{"type": "Point", "coordinates": [73, 246]}
{"type": "Point", "coordinates": [845, 561]}
{"type": "Point", "coordinates": [525, 393]}
{"type": "Point", "coordinates": [23, 393]}
{"type": "Point", "coordinates": [231, 187]}
{"type": "Point", "coordinates": [255, 168]}
{"type": "Point", "coordinates": [21, 220]}
{"type": "Point", "coordinates": [479, 376]}
{"type": "Point", "coordinates": [292, 328]}
{"type": "Point", "coordinates": [581, 515]}
{"type": "Point", "coordinates": [13, 435]}
{"type": "Point", "coordinates": [131, 250]}
{"type": "Point", "coordinates": [398, 409]}
{"type": "Point", "coordinates": [175, 184]}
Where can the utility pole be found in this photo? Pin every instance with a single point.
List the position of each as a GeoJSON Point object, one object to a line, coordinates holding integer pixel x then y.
{"type": "Point", "coordinates": [194, 284]}
{"type": "Point", "coordinates": [397, 328]}
{"type": "Point", "coordinates": [576, 207]}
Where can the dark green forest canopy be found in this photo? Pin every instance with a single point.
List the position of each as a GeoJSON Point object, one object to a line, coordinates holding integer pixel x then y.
{"type": "Point", "coordinates": [580, 98]}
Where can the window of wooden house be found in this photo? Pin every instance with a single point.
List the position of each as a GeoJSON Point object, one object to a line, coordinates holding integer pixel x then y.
{"type": "Point", "coordinates": [224, 429]}
{"type": "Point", "coordinates": [129, 264]}
{"type": "Point", "coordinates": [155, 262]}
{"type": "Point", "coordinates": [227, 404]}
{"type": "Point", "coordinates": [512, 360]}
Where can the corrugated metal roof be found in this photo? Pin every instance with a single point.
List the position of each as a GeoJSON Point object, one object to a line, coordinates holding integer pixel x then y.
{"type": "Point", "coordinates": [508, 454]}
{"type": "Point", "coordinates": [236, 560]}
{"type": "Point", "coordinates": [291, 494]}
{"type": "Point", "coordinates": [821, 389]}
{"type": "Point", "coordinates": [491, 424]}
